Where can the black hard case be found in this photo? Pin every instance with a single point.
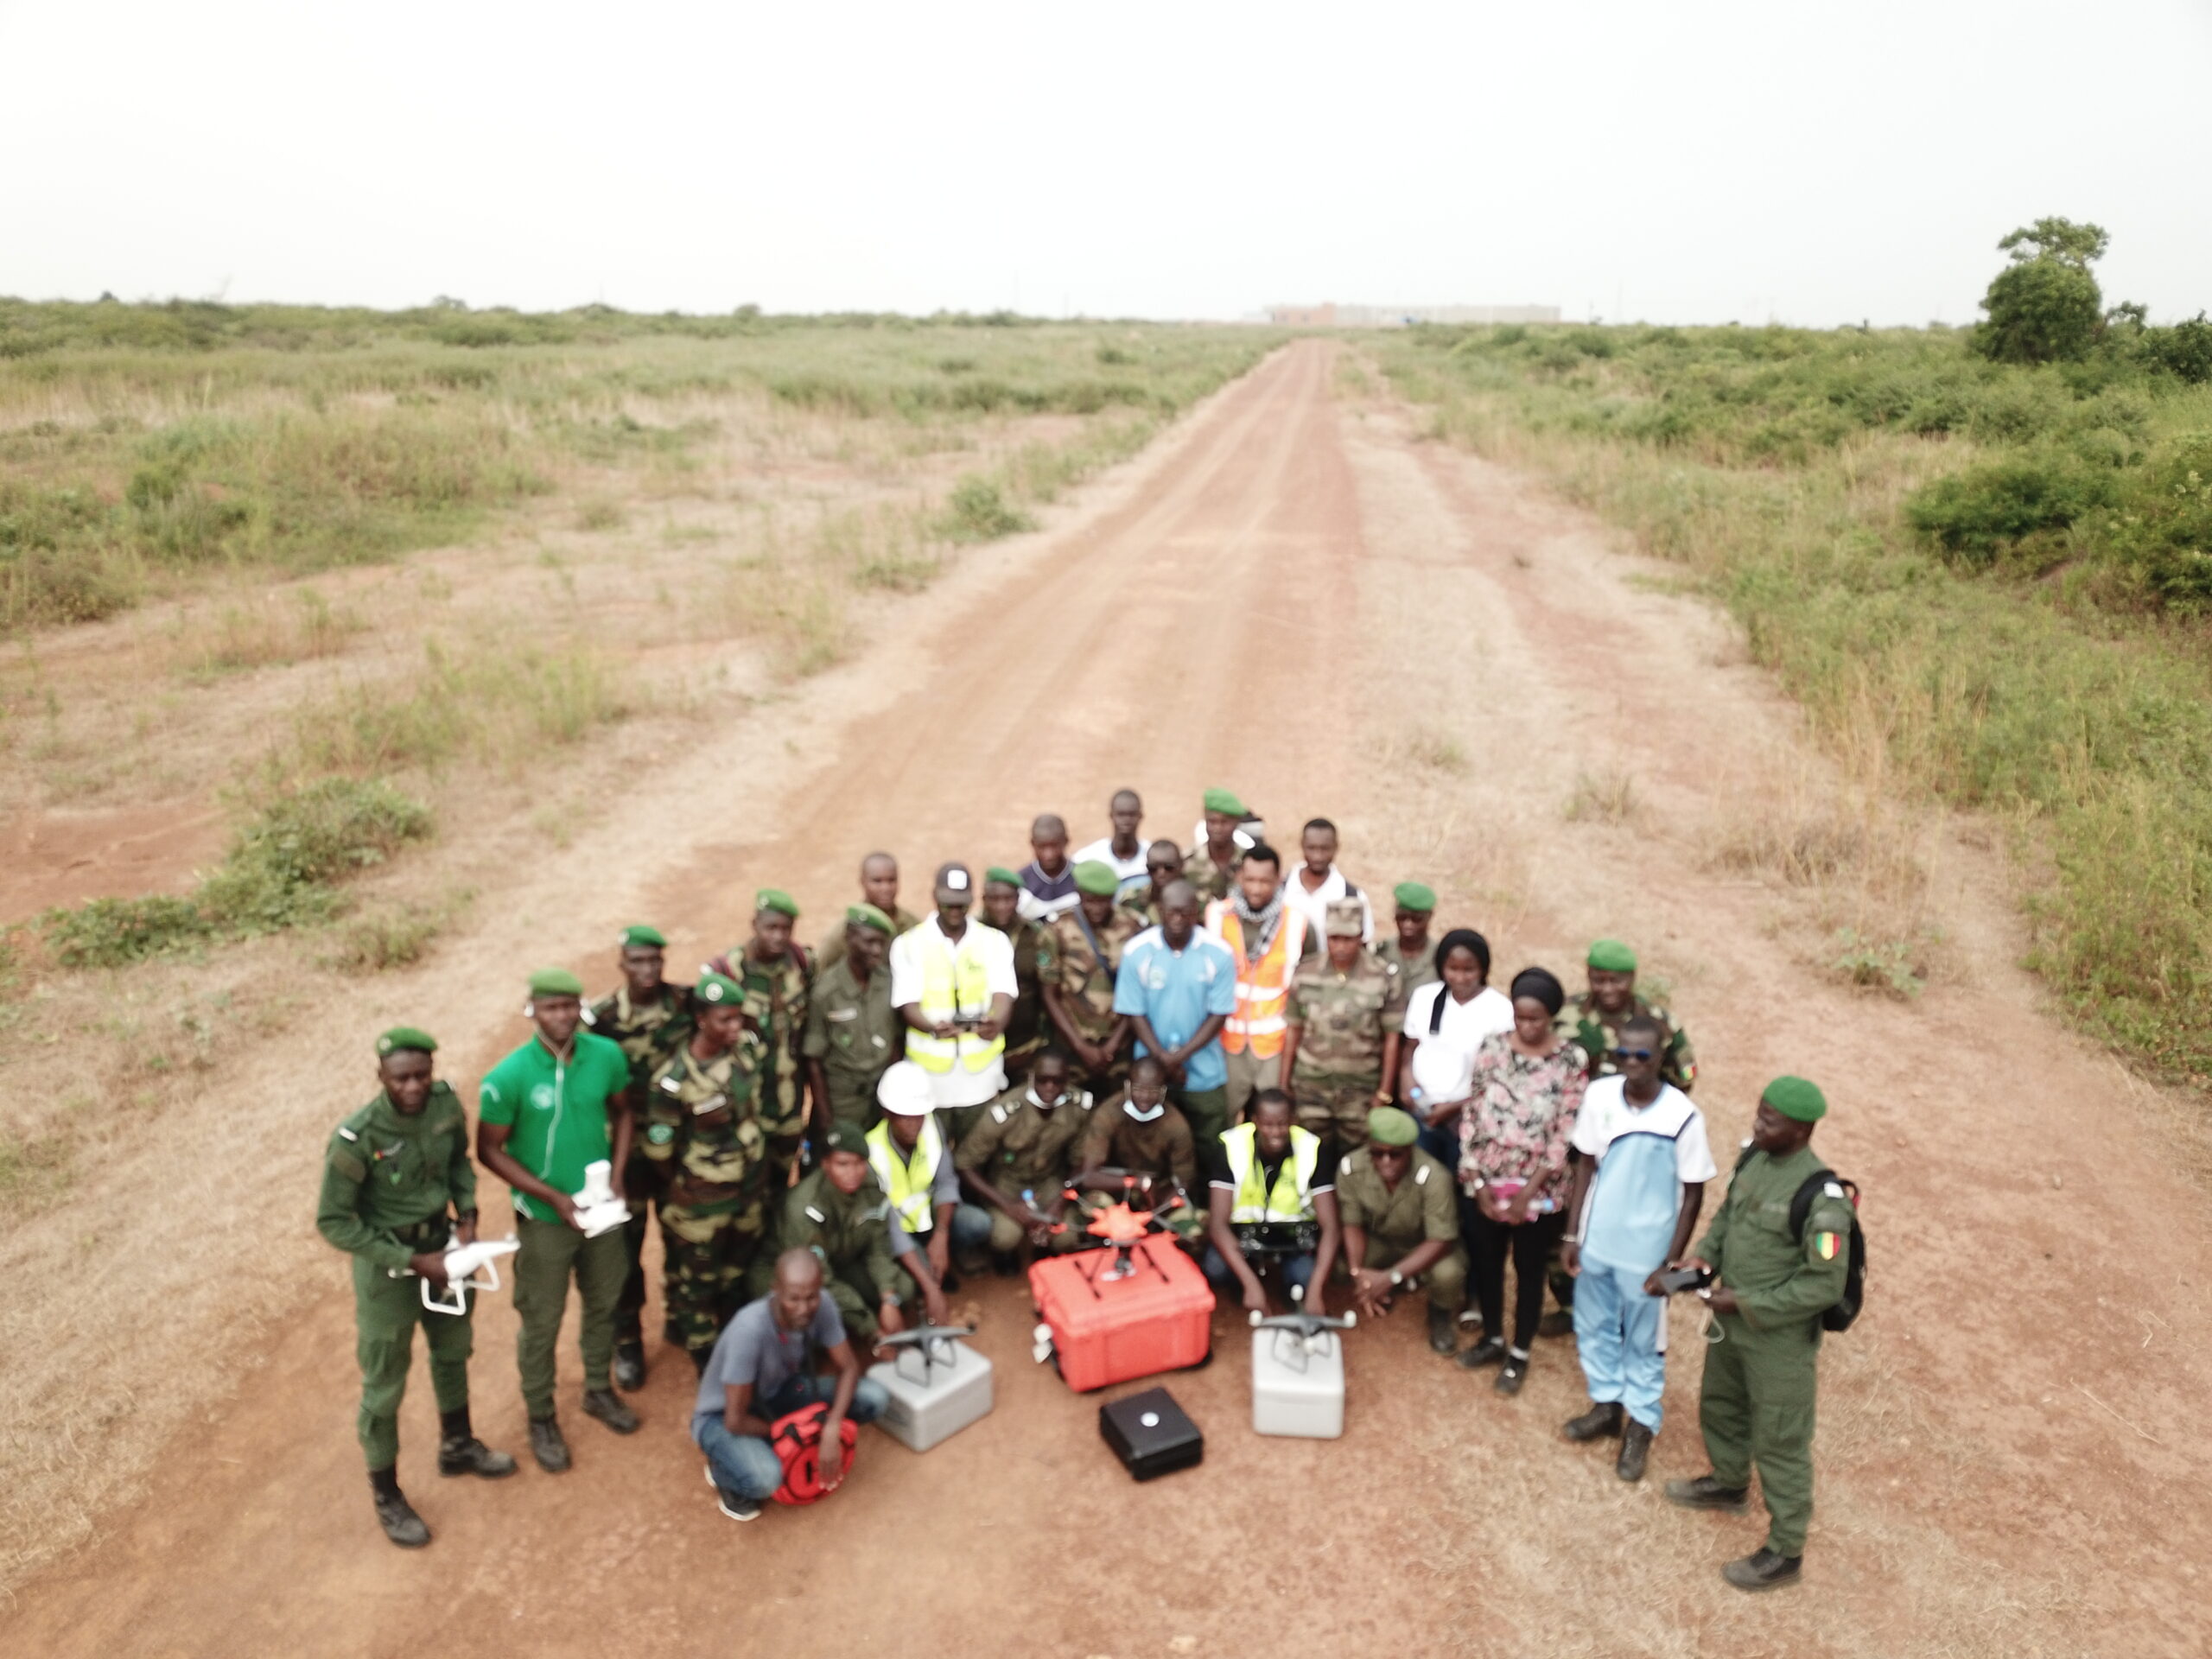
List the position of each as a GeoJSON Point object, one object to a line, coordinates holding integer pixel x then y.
{"type": "Point", "coordinates": [1172, 1442]}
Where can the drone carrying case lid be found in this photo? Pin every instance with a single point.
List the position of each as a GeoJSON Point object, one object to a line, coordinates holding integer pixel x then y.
{"type": "Point", "coordinates": [1150, 1434]}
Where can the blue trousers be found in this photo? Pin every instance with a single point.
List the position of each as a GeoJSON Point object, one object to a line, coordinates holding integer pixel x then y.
{"type": "Point", "coordinates": [1620, 1335]}
{"type": "Point", "coordinates": [1297, 1270]}
{"type": "Point", "coordinates": [745, 1465]}
{"type": "Point", "coordinates": [971, 1231]}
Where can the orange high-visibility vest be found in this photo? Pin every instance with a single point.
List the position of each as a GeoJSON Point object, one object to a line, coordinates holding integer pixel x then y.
{"type": "Point", "coordinates": [1262, 987]}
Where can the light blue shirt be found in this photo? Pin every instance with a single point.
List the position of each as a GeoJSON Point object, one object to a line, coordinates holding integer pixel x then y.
{"type": "Point", "coordinates": [1645, 1155]}
{"type": "Point", "coordinates": [1176, 990]}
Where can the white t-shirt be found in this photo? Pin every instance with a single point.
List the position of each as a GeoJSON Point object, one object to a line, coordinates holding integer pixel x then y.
{"type": "Point", "coordinates": [979, 941]}
{"type": "Point", "coordinates": [1444, 1065]}
{"type": "Point", "coordinates": [1645, 1155]}
{"type": "Point", "coordinates": [1316, 903]}
{"type": "Point", "coordinates": [1129, 872]}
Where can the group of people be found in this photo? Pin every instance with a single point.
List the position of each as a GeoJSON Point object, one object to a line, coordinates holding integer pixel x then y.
{"type": "Point", "coordinates": [1209, 1035]}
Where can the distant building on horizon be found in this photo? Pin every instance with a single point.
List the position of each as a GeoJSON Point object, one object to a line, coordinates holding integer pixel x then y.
{"type": "Point", "coordinates": [1331, 315]}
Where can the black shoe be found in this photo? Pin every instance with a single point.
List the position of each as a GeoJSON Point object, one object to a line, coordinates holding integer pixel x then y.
{"type": "Point", "coordinates": [1560, 1322]}
{"type": "Point", "coordinates": [1443, 1331]}
{"type": "Point", "coordinates": [606, 1405]}
{"type": "Point", "coordinates": [1706, 1493]}
{"type": "Point", "coordinates": [736, 1508]}
{"type": "Point", "coordinates": [1762, 1570]}
{"type": "Point", "coordinates": [1514, 1373]}
{"type": "Point", "coordinates": [394, 1513]}
{"type": "Point", "coordinates": [1636, 1451]}
{"type": "Point", "coordinates": [1601, 1419]}
{"type": "Point", "coordinates": [1489, 1351]}
{"type": "Point", "coordinates": [547, 1445]}
{"type": "Point", "coordinates": [629, 1366]}
{"type": "Point", "coordinates": [464, 1454]}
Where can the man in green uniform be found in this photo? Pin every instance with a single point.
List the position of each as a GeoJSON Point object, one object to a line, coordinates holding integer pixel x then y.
{"type": "Point", "coordinates": [880, 887]}
{"type": "Point", "coordinates": [1163, 864]}
{"type": "Point", "coordinates": [1594, 1019]}
{"type": "Point", "coordinates": [391, 1174]}
{"type": "Point", "coordinates": [1143, 1136]}
{"type": "Point", "coordinates": [778, 976]}
{"type": "Point", "coordinates": [1769, 1288]}
{"type": "Point", "coordinates": [853, 1033]}
{"type": "Point", "coordinates": [1025, 1030]}
{"type": "Point", "coordinates": [1401, 1223]}
{"type": "Point", "coordinates": [1017, 1160]}
{"type": "Point", "coordinates": [1409, 949]}
{"type": "Point", "coordinates": [873, 1270]}
{"type": "Point", "coordinates": [1211, 865]}
{"type": "Point", "coordinates": [701, 1122]}
{"type": "Point", "coordinates": [1346, 1012]}
{"type": "Point", "coordinates": [549, 1111]}
{"type": "Point", "coordinates": [1085, 945]}
{"type": "Point", "coordinates": [650, 1017]}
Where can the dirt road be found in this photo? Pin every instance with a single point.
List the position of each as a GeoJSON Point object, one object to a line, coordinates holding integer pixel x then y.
{"type": "Point", "coordinates": [1293, 596]}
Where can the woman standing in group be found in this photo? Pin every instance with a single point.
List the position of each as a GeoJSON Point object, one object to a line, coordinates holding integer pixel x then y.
{"type": "Point", "coordinates": [1526, 1088]}
{"type": "Point", "coordinates": [1446, 1022]}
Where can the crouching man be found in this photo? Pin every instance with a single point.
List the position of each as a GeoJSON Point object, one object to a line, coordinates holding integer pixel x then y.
{"type": "Point", "coordinates": [767, 1364]}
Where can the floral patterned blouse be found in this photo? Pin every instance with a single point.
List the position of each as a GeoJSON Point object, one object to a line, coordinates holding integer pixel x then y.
{"type": "Point", "coordinates": [1522, 1112]}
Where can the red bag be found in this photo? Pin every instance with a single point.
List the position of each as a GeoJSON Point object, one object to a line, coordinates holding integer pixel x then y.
{"type": "Point", "coordinates": [1159, 1318]}
{"type": "Point", "coordinates": [797, 1439]}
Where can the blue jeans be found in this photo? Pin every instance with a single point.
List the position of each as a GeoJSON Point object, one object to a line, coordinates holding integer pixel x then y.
{"type": "Point", "coordinates": [1297, 1271]}
{"type": "Point", "coordinates": [971, 1231]}
{"type": "Point", "coordinates": [744, 1465]}
{"type": "Point", "coordinates": [1620, 1335]}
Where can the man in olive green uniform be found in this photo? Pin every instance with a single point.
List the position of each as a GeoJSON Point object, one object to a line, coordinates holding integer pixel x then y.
{"type": "Point", "coordinates": [778, 976]}
{"type": "Point", "coordinates": [1026, 1028]}
{"type": "Point", "coordinates": [1163, 864]}
{"type": "Point", "coordinates": [1085, 953]}
{"type": "Point", "coordinates": [1017, 1160]}
{"type": "Point", "coordinates": [1211, 865]}
{"type": "Point", "coordinates": [701, 1122]}
{"type": "Point", "coordinates": [649, 1017]}
{"type": "Point", "coordinates": [1769, 1288]}
{"type": "Point", "coordinates": [1409, 949]}
{"type": "Point", "coordinates": [1141, 1133]}
{"type": "Point", "coordinates": [392, 1173]}
{"type": "Point", "coordinates": [853, 1033]}
{"type": "Point", "coordinates": [1346, 1012]}
{"type": "Point", "coordinates": [880, 887]}
{"type": "Point", "coordinates": [1401, 1222]}
{"type": "Point", "coordinates": [872, 1270]}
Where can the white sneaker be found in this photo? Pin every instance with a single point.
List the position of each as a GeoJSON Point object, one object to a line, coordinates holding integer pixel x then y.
{"type": "Point", "coordinates": [737, 1509]}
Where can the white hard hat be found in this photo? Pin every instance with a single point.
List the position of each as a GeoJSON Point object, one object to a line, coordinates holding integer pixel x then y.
{"type": "Point", "coordinates": [904, 1091]}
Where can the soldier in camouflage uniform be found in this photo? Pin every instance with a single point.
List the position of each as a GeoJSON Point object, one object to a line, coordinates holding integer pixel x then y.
{"type": "Point", "coordinates": [1346, 1012]}
{"type": "Point", "coordinates": [393, 1170]}
{"type": "Point", "coordinates": [872, 1268]}
{"type": "Point", "coordinates": [1086, 945]}
{"type": "Point", "coordinates": [1018, 1159]}
{"type": "Point", "coordinates": [853, 1033]}
{"type": "Point", "coordinates": [703, 1124]}
{"type": "Point", "coordinates": [1409, 949]}
{"type": "Point", "coordinates": [1163, 862]}
{"type": "Point", "coordinates": [1210, 865]}
{"type": "Point", "coordinates": [880, 887]}
{"type": "Point", "coordinates": [1025, 1030]}
{"type": "Point", "coordinates": [650, 1019]}
{"type": "Point", "coordinates": [778, 975]}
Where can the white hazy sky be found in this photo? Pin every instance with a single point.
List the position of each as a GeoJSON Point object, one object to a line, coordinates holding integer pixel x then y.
{"type": "Point", "coordinates": [1694, 162]}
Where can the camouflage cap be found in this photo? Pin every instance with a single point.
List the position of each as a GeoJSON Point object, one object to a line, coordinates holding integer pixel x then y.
{"type": "Point", "coordinates": [401, 1038]}
{"type": "Point", "coordinates": [1611, 956]}
{"type": "Point", "coordinates": [718, 990]}
{"type": "Point", "coordinates": [776, 900]}
{"type": "Point", "coordinates": [555, 982]}
{"type": "Point", "coordinates": [869, 916]}
{"type": "Point", "coordinates": [1345, 920]}
{"type": "Point", "coordinates": [1096, 878]}
{"type": "Point", "coordinates": [1797, 1099]}
{"type": "Point", "coordinates": [639, 936]}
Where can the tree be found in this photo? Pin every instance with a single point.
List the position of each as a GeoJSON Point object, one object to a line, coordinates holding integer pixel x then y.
{"type": "Point", "coordinates": [2045, 306]}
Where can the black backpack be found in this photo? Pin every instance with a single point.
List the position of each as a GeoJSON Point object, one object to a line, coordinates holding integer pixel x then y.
{"type": "Point", "coordinates": [1840, 1317]}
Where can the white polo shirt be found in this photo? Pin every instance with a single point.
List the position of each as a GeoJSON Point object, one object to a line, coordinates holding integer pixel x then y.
{"type": "Point", "coordinates": [1316, 903]}
{"type": "Point", "coordinates": [979, 942]}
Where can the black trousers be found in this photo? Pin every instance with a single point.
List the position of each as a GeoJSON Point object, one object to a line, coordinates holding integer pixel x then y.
{"type": "Point", "coordinates": [1490, 1244]}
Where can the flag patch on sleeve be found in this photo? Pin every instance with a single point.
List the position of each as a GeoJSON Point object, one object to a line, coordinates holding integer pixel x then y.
{"type": "Point", "coordinates": [1825, 1243]}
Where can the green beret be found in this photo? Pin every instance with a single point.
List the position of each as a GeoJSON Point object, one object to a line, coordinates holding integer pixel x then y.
{"type": "Point", "coordinates": [999, 873]}
{"type": "Point", "coordinates": [406, 1037]}
{"type": "Point", "coordinates": [1389, 1126]}
{"type": "Point", "coordinates": [1414, 895]}
{"type": "Point", "coordinates": [1225, 801]}
{"type": "Point", "coordinates": [1096, 878]}
{"type": "Point", "coordinates": [716, 989]}
{"type": "Point", "coordinates": [643, 937]}
{"type": "Point", "coordinates": [1611, 956]}
{"type": "Point", "coordinates": [1795, 1098]}
{"type": "Point", "coordinates": [869, 916]}
{"type": "Point", "coordinates": [776, 899]}
{"type": "Point", "coordinates": [555, 982]}
{"type": "Point", "coordinates": [846, 1137]}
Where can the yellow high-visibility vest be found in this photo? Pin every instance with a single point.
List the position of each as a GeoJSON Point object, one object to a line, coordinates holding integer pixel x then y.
{"type": "Point", "coordinates": [908, 1179]}
{"type": "Point", "coordinates": [1291, 1197]}
{"type": "Point", "coordinates": [955, 985]}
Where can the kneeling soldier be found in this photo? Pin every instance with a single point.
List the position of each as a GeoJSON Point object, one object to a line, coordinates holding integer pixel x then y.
{"type": "Point", "coordinates": [1017, 1162]}
{"type": "Point", "coordinates": [841, 1213]}
{"type": "Point", "coordinates": [1401, 1223]}
{"type": "Point", "coordinates": [393, 1170]}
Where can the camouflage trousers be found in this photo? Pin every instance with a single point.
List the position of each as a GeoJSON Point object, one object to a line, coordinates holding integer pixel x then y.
{"type": "Point", "coordinates": [1336, 1106]}
{"type": "Point", "coordinates": [705, 1259]}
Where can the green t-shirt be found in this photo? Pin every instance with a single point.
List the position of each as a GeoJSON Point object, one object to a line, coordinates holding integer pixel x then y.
{"type": "Point", "coordinates": [558, 1112]}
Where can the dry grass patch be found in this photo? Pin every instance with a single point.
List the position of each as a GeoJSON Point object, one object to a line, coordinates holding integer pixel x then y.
{"type": "Point", "coordinates": [1606, 796]}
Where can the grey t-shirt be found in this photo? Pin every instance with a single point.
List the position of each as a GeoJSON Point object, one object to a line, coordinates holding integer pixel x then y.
{"type": "Point", "coordinates": [755, 1348]}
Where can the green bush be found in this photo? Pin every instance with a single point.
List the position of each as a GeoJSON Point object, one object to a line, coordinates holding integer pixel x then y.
{"type": "Point", "coordinates": [2045, 307]}
{"type": "Point", "coordinates": [1982, 514]}
{"type": "Point", "coordinates": [2183, 350]}
{"type": "Point", "coordinates": [978, 513]}
{"type": "Point", "coordinates": [2163, 533]}
{"type": "Point", "coordinates": [109, 933]}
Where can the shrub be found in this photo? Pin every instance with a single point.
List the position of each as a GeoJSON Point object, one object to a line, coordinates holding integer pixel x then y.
{"type": "Point", "coordinates": [280, 870]}
{"type": "Point", "coordinates": [2163, 533]}
{"type": "Point", "coordinates": [1978, 515]}
{"type": "Point", "coordinates": [978, 513]}
{"type": "Point", "coordinates": [2183, 350]}
{"type": "Point", "coordinates": [2045, 307]}
{"type": "Point", "coordinates": [109, 933]}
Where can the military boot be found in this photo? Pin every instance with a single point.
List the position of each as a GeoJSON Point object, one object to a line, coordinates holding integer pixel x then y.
{"type": "Point", "coordinates": [629, 1366]}
{"type": "Point", "coordinates": [394, 1513]}
{"type": "Point", "coordinates": [460, 1452]}
{"type": "Point", "coordinates": [1601, 1419]}
{"type": "Point", "coordinates": [548, 1446]}
{"type": "Point", "coordinates": [1706, 1493]}
{"type": "Point", "coordinates": [1636, 1451]}
{"type": "Point", "coordinates": [1443, 1329]}
{"type": "Point", "coordinates": [1763, 1570]}
{"type": "Point", "coordinates": [606, 1405]}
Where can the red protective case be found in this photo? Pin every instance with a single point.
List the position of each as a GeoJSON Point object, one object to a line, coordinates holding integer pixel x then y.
{"type": "Point", "coordinates": [1105, 1330]}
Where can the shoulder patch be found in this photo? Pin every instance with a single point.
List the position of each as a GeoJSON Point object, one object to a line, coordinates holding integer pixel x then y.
{"type": "Point", "coordinates": [1088, 1100]}
{"type": "Point", "coordinates": [816, 1216]}
{"type": "Point", "coordinates": [1421, 1176]}
{"type": "Point", "coordinates": [670, 1083]}
{"type": "Point", "coordinates": [1832, 1189]}
{"type": "Point", "coordinates": [346, 1133]}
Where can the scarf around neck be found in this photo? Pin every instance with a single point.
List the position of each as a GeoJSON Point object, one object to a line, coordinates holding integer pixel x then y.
{"type": "Point", "coordinates": [1259, 926]}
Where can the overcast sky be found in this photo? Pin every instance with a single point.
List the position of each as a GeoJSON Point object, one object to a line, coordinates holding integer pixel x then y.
{"type": "Point", "coordinates": [1687, 162]}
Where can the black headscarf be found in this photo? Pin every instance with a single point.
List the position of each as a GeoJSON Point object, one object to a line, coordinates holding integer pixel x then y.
{"type": "Point", "coordinates": [1467, 939]}
{"type": "Point", "coordinates": [1543, 984]}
